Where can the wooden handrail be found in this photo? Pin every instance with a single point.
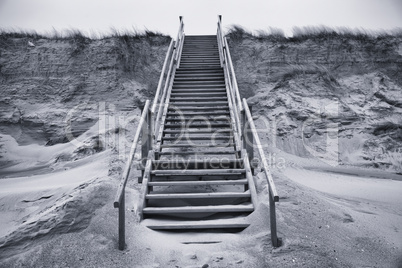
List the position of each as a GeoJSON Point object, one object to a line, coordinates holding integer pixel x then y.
{"type": "Point", "coordinates": [234, 80]}
{"type": "Point", "coordinates": [162, 101]}
{"type": "Point", "coordinates": [265, 167]}
{"type": "Point", "coordinates": [168, 54]}
{"type": "Point", "coordinates": [246, 130]}
{"type": "Point", "coordinates": [127, 169]}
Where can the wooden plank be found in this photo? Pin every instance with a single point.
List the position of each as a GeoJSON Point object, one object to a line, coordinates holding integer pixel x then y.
{"type": "Point", "coordinates": [188, 138]}
{"type": "Point", "coordinates": [197, 164]}
{"type": "Point", "coordinates": [265, 168]}
{"type": "Point", "coordinates": [199, 209]}
{"type": "Point", "coordinates": [197, 94]}
{"type": "Point", "coordinates": [175, 145]}
{"type": "Point", "coordinates": [145, 186]}
{"type": "Point", "coordinates": [199, 153]}
{"type": "Point", "coordinates": [250, 179]}
{"type": "Point", "coordinates": [200, 99]}
{"type": "Point", "coordinates": [198, 195]}
{"type": "Point", "coordinates": [168, 54]}
{"type": "Point", "coordinates": [126, 172]}
{"type": "Point", "coordinates": [198, 183]}
{"type": "Point", "coordinates": [210, 113]}
{"type": "Point", "coordinates": [197, 125]}
{"type": "Point", "coordinates": [197, 177]}
{"type": "Point", "coordinates": [190, 131]}
{"type": "Point", "coordinates": [190, 108]}
{"type": "Point", "coordinates": [199, 172]}
{"type": "Point", "coordinates": [198, 225]}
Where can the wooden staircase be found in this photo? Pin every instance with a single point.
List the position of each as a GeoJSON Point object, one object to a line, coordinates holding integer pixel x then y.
{"type": "Point", "coordinates": [197, 141]}
{"type": "Point", "coordinates": [198, 179]}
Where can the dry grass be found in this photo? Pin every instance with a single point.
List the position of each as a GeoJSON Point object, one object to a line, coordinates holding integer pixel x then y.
{"type": "Point", "coordinates": [67, 34]}
{"type": "Point", "coordinates": [238, 33]}
{"type": "Point", "coordinates": [301, 70]}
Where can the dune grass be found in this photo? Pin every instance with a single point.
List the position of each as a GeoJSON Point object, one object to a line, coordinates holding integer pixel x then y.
{"type": "Point", "coordinates": [237, 33]}
{"type": "Point", "coordinates": [75, 34]}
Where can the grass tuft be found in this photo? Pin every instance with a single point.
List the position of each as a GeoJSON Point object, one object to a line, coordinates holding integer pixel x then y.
{"type": "Point", "coordinates": [301, 70]}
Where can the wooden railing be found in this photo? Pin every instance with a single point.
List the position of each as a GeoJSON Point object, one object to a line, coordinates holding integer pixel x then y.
{"type": "Point", "coordinates": [149, 127]}
{"type": "Point", "coordinates": [245, 130]}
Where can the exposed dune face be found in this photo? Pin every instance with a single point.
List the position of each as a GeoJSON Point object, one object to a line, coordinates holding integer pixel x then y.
{"type": "Point", "coordinates": [338, 92]}
{"type": "Point", "coordinates": [329, 111]}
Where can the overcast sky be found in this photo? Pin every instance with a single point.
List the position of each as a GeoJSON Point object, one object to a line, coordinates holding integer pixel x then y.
{"type": "Point", "coordinates": [200, 16]}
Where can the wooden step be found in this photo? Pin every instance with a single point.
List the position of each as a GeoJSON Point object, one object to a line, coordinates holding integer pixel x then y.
{"type": "Point", "coordinates": [199, 86]}
{"type": "Point", "coordinates": [199, 209]}
{"type": "Point", "coordinates": [192, 138]}
{"type": "Point", "coordinates": [205, 90]}
{"type": "Point", "coordinates": [200, 153]}
{"type": "Point", "coordinates": [210, 113]}
{"type": "Point", "coordinates": [190, 108]}
{"type": "Point", "coordinates": [197, 131]}
{"type": "Point", "coordinates": [196, 94]}
{"type": "Point", "coordinates": [199, 195]}
{"type": "Point", "coordinates": [197, 164]}
{"type": "Point", "coordinates": [200, 103]}
{"type": "Point", "coordinates": [188, 145]}
{"type": "Point", "coordinates": [162, 224]}
{"type": "Point", "coordinates": [198, 183]}
{"type": "Point", "coordinates": [199, 172]}
{"type": "Point", "coordinates": [197, 125]}
{"type": "Point", "coordinates": [199, 99]}
{"type": "Point", "coordinates": [199, 118]}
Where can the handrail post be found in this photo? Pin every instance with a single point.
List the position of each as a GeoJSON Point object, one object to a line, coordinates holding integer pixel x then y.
{"type": "Point", "coordinates": [272, 217]}
{"type": "Point", "coordinates": [122, 223]}
{"type": "Point", "coordinates": [248, 139]}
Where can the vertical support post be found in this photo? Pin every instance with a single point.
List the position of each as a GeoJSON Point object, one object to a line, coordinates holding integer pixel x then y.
{"type": "Point", "coordinates": [144, 145]}
{"type": "Point", "coordinates": [150, 137]}
{"type": "Point", "coordinates": [272, 217]}
{"type": "Point", "coordinates": [248, 138]}
{"type": "Point", "coordinates": [122, 223]}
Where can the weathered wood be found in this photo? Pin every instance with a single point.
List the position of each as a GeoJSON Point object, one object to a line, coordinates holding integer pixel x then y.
{"type": "Point", "coordinates": [200, 224]}
{"type": "Point", "coordinates": [199, 172]}
{"type": "Point", "coordinates": [199, 195]}
{"type": "Point", "coordinates": [197, 145]}
{"type": "Point", "coordinates": [168, 54]}
{"type": "Point", "coordinates": [265, 167]}
{"type": "Point", "coordinates": [199, 183]}
{"type": "Point", "coordinates": [120, 191]}
{"type": "Point", "coordinates": [198, 152]}
{"type": "Point", "coordinates": [248, 138]}
{"type": "Point", "coordinates": [194, 109]}
{"type": "Point", "coordinates": [190, 131]}
{"type": "Point", "coordinates": [250, 179]}
{"type": "Point", "coordinates": [145, 184]}
{"type": "Point", "coordinates": [122, 223]}
{"type": "Point", "coordinates": [198, 209]}
{"type": "Point", "coordinates": [237, 176]}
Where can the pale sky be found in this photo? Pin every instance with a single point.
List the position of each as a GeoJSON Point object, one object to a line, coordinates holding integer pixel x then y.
{"type": "Point", "coordinates": [200, 16]}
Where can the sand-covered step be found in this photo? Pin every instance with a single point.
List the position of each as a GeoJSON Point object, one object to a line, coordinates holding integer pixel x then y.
{"type": "Point", "coordinates": [165, 224]}
{"type": "Point", "coordinates": [200, 145]}
{"type": "Point", "coordinates": [198, 195]}
{"type": "Point", "coordinates": [197, 164]}
{"type": "Point", "coordinates": [195, 91]}
{"type": "Point", "coordinates": [199, 99]}
{"type": "Point", "coordinates": [198, 94]}
{"type": "Point", "coordinates": [218, 82]}
{"type": "Point", "coordinates": [199, 118]}
{"type": "Point", "coordinates": [197, 125]}
{"type": "Point", "coordinates": [195, 109]}
{"type": "Point", "coordinates": [199, 172]}
{"type": "Point", "coordinates": [194, 114]}
{"type": "Point", "coordinates": [199, 209]}
{"type": "Point", "coordinates": [189, 131]}
{"type": "Point", "coordinates": [198, 183]}
{"type": "Point", "coordinates": [183, 71]}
